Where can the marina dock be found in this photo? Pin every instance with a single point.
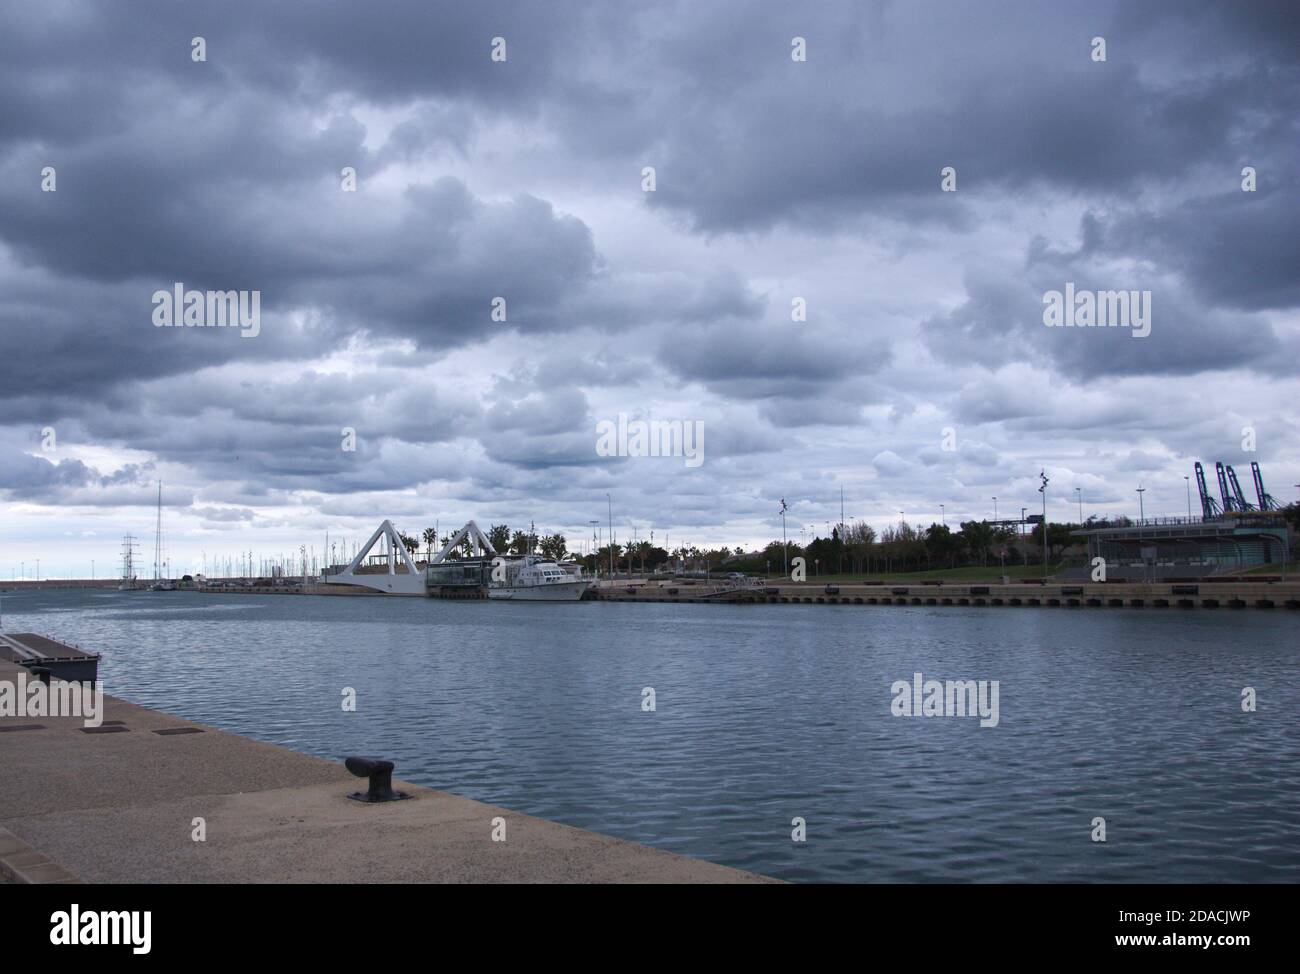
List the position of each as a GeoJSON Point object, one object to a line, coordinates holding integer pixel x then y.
{"type": "Point", "coordinates": [1232, 593]}
{"type": "Point", "coordinates": [38, 653]}
{"type": "Point", "coordinates": [124, 802]}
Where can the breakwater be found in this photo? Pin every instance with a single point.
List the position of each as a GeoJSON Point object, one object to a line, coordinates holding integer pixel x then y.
{"type": "Point", "coordinates": [1232, 594]}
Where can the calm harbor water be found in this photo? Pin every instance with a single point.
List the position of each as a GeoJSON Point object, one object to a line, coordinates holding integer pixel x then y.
{"type": "Point", "coordinates": [765, 713]}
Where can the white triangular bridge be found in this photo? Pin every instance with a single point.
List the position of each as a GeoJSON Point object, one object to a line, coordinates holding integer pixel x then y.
{"type": "Point", "coordinates": [410, 582]}
{"type": "Point", "coordinates": [471, 531]}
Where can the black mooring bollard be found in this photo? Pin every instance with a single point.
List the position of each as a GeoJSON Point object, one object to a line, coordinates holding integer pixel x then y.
{"type": "Point", "coordinates": [380, 773]}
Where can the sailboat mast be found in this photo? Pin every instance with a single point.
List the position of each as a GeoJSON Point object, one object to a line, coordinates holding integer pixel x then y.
{"type": "Point", "coordinates": [157, 544]}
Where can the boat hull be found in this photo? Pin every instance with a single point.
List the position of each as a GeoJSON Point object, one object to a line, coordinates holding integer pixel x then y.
{"type": "Point", "coordinates": [549, 592]}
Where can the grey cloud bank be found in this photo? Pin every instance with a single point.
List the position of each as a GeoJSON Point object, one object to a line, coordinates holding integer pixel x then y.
{"type": "Point", "coordinates": [776, 180]}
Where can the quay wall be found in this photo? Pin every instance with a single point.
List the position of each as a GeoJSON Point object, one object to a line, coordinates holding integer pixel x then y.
{"type": "Point", "coordinates": [1231, 594]}
{"type": "Point", "coordinates": [119, 803]}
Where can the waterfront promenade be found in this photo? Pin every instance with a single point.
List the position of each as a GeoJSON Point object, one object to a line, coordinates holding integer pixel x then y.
{"type": "Point", "coordinates": [120, 804]}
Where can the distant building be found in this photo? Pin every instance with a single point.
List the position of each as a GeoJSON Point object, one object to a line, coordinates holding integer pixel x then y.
{"type": "Point", "coordinates": [1188, 546]}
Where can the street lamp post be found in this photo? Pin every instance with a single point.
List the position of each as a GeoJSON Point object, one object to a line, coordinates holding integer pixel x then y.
{"type": "Point", "coordinates": [610, 502]}
{"type": "Point", "coordinates": [785, 545]}
{"type": "Point", "coordinates": [943, 515]}
{"type": "Point", "coordinates": [1042, 489]}
{"type": "Point", "coordinates": [1142, 516]}
{"type": "Point", "coordinates": [1002, 563]}
{"type": "Point", "coordinates": [1189, 497]}
{"type": "Point", "coordinates": [1079, 492]}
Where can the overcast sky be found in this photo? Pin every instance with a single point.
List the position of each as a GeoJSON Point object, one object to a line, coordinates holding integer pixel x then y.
{"type": "Point", "coordinates": [775, 179]}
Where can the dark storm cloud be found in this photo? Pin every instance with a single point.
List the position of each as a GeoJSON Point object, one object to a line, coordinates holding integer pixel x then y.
{"type": "Point", "coordinates": [1002, 318]}
{"type": "Point", "coordinates": [1006, 93]}
{"type": "Point", "coordinates": [70, 341]}
{"type": "Point", "coordinates": [1235, 250]}
{"type": "Point", "coordinates": [479, 179]}
{"type": "Point", "coordinates": [759, 360]}
{"type": "Point", "coordinates": [24, 476]}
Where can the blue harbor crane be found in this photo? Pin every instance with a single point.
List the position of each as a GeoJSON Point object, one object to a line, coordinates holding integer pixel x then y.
{"type": "Point", "coordinates": [1229, 502]}
{"type": "Point", "coordinates": [1266, 502]}
{"type": "Point", "coordinates": [1209, 506]}
{"type": "Point", "coordinates": [1243, 505]}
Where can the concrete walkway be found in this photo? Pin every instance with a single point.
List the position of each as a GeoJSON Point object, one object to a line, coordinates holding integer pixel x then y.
{"type": "Point", "coordinates": [119, 807]}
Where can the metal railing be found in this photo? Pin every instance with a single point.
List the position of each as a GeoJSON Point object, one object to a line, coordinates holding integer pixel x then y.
{"type": "Point", "coordinates": [1252, 518]}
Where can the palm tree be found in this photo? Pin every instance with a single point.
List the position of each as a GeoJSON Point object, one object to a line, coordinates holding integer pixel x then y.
{"type": "Point", "coordinates": [430, 536]}
{"type": "Point", "coordinates": [643, 548]}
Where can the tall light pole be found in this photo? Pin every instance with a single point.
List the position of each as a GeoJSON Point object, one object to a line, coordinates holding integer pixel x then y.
{"type": "Point", "coordinates": [1141, 517]}
{"type": "Point", "coordinates": [785, 547]}
{"type": "Point", "coordinates": [943, 515]}
{"type": "Point", "coordinates": [595, 556]}
{"type": "Point", "coordinates": [1001, 558]}
{"type": "Point", "coordinates": [1079, 491]}
{"type": "Point", "coordinates": [1042, 489]}
{"type": "Point", "coordinates": [610, 502]}
{"type": "Point", "coordinates": [1189, 496]}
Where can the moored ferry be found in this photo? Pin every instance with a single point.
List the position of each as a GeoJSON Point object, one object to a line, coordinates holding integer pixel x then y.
{"type": "Point", "coordinates": [535, 579]}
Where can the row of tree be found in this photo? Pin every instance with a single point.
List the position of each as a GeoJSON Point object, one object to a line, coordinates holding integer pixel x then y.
{"type": "Point", "coordinates": [905, 547]}
{"type": "Point", "coordinates": [898, 548]}
{"type": "Point", "coordinates": [639, 556]}
{"type": "Point", "coordinates": [517, 543]}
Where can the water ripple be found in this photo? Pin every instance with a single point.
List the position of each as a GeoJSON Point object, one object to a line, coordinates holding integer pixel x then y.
{"type": "Point", "coordinates": [764, 714]}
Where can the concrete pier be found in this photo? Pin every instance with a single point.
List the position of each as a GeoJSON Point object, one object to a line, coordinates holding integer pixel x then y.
{"type": "Point", "coordinates": [1227, 594]}
{"type": "Point", "coordinates": [121, 804]}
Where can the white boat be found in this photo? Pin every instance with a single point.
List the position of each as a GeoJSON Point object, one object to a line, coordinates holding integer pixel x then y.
{"type": "Point", "coordinates": [160, 582]}
{"type": "Point", "coordinates": [128, 580]}
{"type": "Point", "coordinates": [534, 579]}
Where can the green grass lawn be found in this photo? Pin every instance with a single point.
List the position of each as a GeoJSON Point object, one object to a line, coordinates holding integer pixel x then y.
{"type": "Point", "coordinates": [1274, 569]}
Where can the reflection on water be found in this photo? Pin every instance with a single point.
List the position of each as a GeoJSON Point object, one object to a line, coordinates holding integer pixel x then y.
{"type": "Point", "coordinates": [765, 713]}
